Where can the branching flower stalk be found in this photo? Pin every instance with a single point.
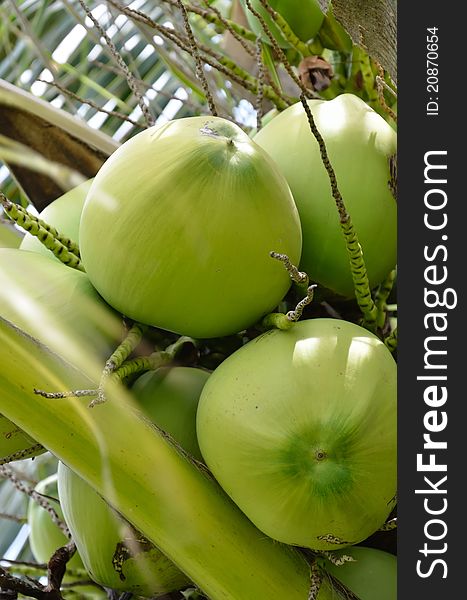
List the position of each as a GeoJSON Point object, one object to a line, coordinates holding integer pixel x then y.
{"type": "Point", "coordinates": [62, 247]}
{"type": "Point", "coordinates": [299, 277]}
{"type": "Point", "coordinates": [8, 473]}
{"type": "Point", "coordinates": [249, 82]}
{"type": "Point", "coordinates": [357, 264]}
{"type": "Point", "coordinates": [115, 69]}
{"type": "Point", "coordinates": [321, 577]}
{"type": "Point", "coordinates": [217, 61]}
{"type": "Point", "coordinates": [294, 315]}
{"type": "Point", "coordinates": [21, 454]}
{"type": "Point", "coordinates": [216, 18]}
{"type": "Point", "coordinates": [123, 351]}
{"type": "Point", "coordinates": [285, 321]}
{"type": "Point", "coordinates": [261, 78]}
{"type": "Point", "coordinates": [138, 365]}
{"type": "Point", "coordinates": [24, 215]}
{"type": "Point", "coordinates": [111, 113]}
{"type": "Point", "coordinates": [233, 71]}
{"type": "Point", "coordinates": [199, 69]}
{"type": "Point", "coordinates": [286, 30]}
{"type": "Point", "coordinates": [227, 66]}
{"type": "Point", "coordinates": [119, 356]}
{"type": "Point", "coordinates": [229, 26]}
{"type": "Point", "coordinates": [316, 579]}
{"type": "Point", "coordinates": [337, 560]}
{"type": "Point", "coordinates": [14, 518]}
{"type": "Point", "coordinates": [132, 84]}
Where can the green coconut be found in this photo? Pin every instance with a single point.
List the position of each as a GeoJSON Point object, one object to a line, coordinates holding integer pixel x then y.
{"type": "Point", "coordinates": [299, 428]}
{"type": "Point", "coordinates": [359, 144]}
{"type": "Point", "coordinates": [178, 226]}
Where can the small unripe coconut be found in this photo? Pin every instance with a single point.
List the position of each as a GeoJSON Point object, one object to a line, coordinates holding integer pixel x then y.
{"type": "Point", "coordinates": [372, 575]}
{"type": "Point", "coordinates": [114, 553]}
{"type": "Point", "coordinates": [169, 397]}
{"type": "Point", "coordinates": [45, 536]}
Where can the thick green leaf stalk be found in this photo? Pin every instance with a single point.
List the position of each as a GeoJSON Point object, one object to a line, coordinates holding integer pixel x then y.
{"type": "Point", "coordinates": [165, 495]}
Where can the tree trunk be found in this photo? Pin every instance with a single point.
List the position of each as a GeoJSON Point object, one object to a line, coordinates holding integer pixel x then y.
{"type": "Point", "coordinates": [371, 24]}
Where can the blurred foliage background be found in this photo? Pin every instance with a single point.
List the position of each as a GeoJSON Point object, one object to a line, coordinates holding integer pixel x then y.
{"type": "Point", "coordinates": [56, 50]}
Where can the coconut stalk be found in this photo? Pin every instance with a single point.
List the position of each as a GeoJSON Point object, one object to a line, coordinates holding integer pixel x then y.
{"type": "Point", "coordinates": [138, 470]}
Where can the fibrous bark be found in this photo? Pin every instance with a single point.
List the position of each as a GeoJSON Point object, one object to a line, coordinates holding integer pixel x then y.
{"type": "Point", "coordinates": [371, 24]}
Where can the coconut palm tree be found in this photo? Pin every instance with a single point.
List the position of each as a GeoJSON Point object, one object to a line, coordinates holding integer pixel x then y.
{"type": "Point", "coordinates": [80, 77]}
